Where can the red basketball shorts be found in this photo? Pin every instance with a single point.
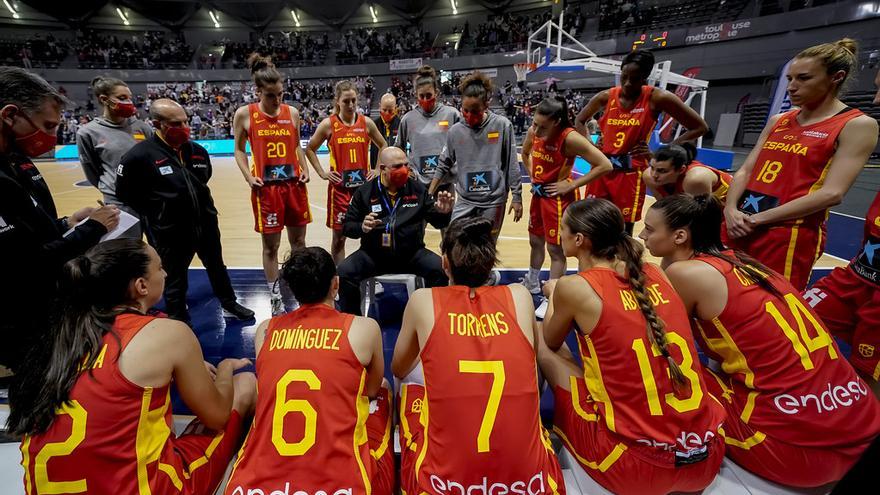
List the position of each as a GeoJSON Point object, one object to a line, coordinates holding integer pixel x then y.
{"type": "Point", "coordinates": [280, 204]}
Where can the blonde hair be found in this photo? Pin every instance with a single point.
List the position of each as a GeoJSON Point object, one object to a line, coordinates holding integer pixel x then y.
{"type": "Point", "coordinates": [341, 86]}
{"type": "Point", "coordinates": [836, 56]}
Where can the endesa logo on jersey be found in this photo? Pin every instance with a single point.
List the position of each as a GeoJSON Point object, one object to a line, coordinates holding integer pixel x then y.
{"type": "Point", "coordinates": [239, 490]}
{"type": "Point", "coordinates": [533, 486]}
{"type": "Point", "coordinates": [832, 398]}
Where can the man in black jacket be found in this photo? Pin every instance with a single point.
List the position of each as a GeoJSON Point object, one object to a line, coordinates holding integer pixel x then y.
{"type": "Point", "coordinates": [388, 122]}
{"type": "Point", "coordinates": [33, 247]}
{"type": "Point", "coordinates": [165, 179]}
{"type": "Point", "coordinates": [388, 215]}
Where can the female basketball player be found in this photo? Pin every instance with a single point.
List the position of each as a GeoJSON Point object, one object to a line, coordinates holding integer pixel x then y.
{"type": "Point", "coordinates": [277, 178]}
{"type": "Point", "coordinates": [471, 418]}
{"type": "Point", "coordinates": [96, 416]}
{"type": "Point", "coordinates": [482, 148]}
{"type": "Point", "coordinates": [630, 115]}
{"type": "Point", "coordinates": [422, 132]}
{"type": "Point", "coordinates": [102, 142]}
{"type": "Point", "coordinates": [797, 413]}
{"type": "Point", "coordinates": [318, 370]}
{"type": "Point", "coordinates": [803, 163]}
{"type": "Point", "coordinates": [673, 170]}
{"type": "Point", "coordinates": [548, 153]}
{"type": "Point", "coordinates": [348, 135]}
{"type": "Point", "coordinates": [638, 416]}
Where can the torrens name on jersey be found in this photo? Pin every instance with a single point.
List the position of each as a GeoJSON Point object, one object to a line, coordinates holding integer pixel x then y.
{"type": "Point", "coordinates": [630, 303]}
{"type": "Point", "coordinates": [624, 122]}
{"type": "Point", "coordinates": [287, 491]}
{"type": "Point", "coordinates": [351, 139]}
{"type": "Point", "coordinates": [273, 132]}
{"type": "Point", "coordinates": [534, 486]}
{"type": "Point", "coordinates": [471, 325]}
{"type": "Point", "coordinates": [794, 148]}
{"type": "Point", "coordinates": [305, 338]}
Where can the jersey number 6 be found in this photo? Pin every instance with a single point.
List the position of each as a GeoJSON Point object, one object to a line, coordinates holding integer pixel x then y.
{"type": "Point", "coordinates": [283, 407]}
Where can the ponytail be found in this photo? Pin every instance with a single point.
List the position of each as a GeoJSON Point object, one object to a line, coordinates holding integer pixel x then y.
{"type": "Point", "coordinates": [470, 250]}
{"type": "Point", "coordinates": [92, 289]}
{"type": "Point", "coordinates": [556, 108]}
{"type": "Point", "coordinates": [601, 222]}
{"type": "Point", "coordinates": [263, 71]}
{"type": "Point", "coordinates": [702, 216]}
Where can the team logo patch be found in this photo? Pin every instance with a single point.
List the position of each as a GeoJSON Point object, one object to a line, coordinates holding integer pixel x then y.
{"type": "Point", "coordinates": [756, 202]}
{"type": "Point", "coordinates": [428, 163]}
{"type": "Point", "coordinates": [272, 220]}
{"type": "Point", "coordinates": [552, 232]}
{"type": "Point", "coordinates": [377, 208]}
{"type": "Point", "coordinates": [479, 181]}
{"type": "Point", "coordinates": [353, 178]}
{"type": "Point", "coordinates": [493, 137]}
{"type": "Point", "coordinates": [256, 114]}
{"type": "Point", "coordinates": [119, 169]}
{"type": "Point", "coordinates": [443, 124]}
{"type": "Point", "coordinates": [166, 170]}
{"type": "Point", "coordinates": [866, 350]}
{"type": "Point", "coordinates": [416, 406]}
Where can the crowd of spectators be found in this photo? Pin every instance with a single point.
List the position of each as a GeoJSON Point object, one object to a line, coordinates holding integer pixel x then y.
{"type": "Point", "coordinates": [34, 51]}
{"type": "Point", "coordinates": [510, 31]}
{"type": "Point", "coordinates": [369, 45]}
{"type": "Point", "coordinates": [617, 14]}
{"type": "Point", "coordinates": [287, 49]}
{"type": "Point", "coordinates": [149, 50]}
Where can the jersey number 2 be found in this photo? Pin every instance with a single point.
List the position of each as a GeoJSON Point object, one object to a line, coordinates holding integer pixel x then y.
{"type": "Point", "coordinates": [78, 416]}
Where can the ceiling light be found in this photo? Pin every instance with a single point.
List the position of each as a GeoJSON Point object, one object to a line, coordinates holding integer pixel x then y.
{"type": "Point", "coordinates": [373, 13]}
{"type": "Point", "coordinates": [122, 16]}
{"type": "Point", "coordinates": [214, 18]}
{"type": "Point", "coordinates": [11, 9]}
{"type": "Point", "coordinates": [454, 7]}
{"type": "Point", "coordinates": [295, 17]}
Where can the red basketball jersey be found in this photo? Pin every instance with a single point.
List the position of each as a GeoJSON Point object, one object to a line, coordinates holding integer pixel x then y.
{"type": "Point", "coordinates": [623, 128]}
{"type": "Point", "coordinates": [481, 397]}
{"type": "Point", "coordinates": [867, 263]}
{"type": "Point", "coordinates": [350, 150]}
{"type": "Point", "coordinates": [112, 437]}
{"type": "Point", "coordinates": [787, 375]}
{"type": "Point", "coordinates": [309, 430]}
{"type": "Point", "coordinates": [628, 378]}
{"type": "Point", "coordinates": [792, 163]}
{"type": "Point", "coordinates": [719, 190]}
{"type": "Point", "coordinates": [549, 165]}
{"type": "Point", "coordinates": [274, 141]}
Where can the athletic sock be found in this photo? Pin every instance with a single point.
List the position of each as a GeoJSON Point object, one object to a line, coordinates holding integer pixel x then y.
{"type": "Point", "coordinates": [534, 274]}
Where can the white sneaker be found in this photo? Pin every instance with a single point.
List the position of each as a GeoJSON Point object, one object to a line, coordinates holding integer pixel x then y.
{"type": "Point", "coordinates": [542, 308]}
{"type": "Point", "coordinates": [532, 285]}
{"type": "Point", "coordinates": [277, 304]}
{"type": "Point", "coordinates": [494, 278]}
{"type": "Point", "coordinates": [378, 288]}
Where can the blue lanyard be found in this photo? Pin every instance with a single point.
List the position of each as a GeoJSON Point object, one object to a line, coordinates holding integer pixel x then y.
{"type": "Point", "coordinates": [391, 210]}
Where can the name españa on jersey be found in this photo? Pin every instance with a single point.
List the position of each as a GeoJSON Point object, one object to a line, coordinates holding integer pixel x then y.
{"type": "Point", "coordinates": [485, 325]}
{"type": "Point", "coordinates": [351, 139]}
{"type": "Point", "coordinates": [624, 122]}
{"type": "Point", "coordinates": [543, 156]}
{"type": "Point", "coordinates": [793, 148]}
{"type": "Point", "coordinates": [630, 303]}
{"type": "Point", "coordinates": [305, 338]}
{"type": "Point", "coordinates": [274, 132]}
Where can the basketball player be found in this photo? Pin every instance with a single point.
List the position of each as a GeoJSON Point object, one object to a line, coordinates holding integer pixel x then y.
{"type": "Point", "coordinates": [630, 115]}
{"type": "Point", "coordinates": [348, 135]}
{"type": "Point", "coordinates": [423, 130]}
{"type": "Point", "coordinates": [96, 415]}
{"type": "Point", "coordinates": [803, 163]}
{"type": "Point", "coordinates": [797, 412]}
{"type": "Point", "coordinates": [313, 431]}
{"type": "Point", "coordinates": [469, 414]}
{"type": "Point", "coordinates": [673, 170]}
{"type": "Point", "coordinates": [638, 416]}
{"type": "Point", "coordinates": [277, 178]}
{"type": "Point", "coordinates": [848, 299]}
{"type": "Point", "coordinates": [482, 150]}
{"type": "Point", "coordinates": [548, 153]}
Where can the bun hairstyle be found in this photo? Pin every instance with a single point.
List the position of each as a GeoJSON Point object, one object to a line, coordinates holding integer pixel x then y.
{"type": "Point", "coordinates": [644, 59]}
{"type": "Point", "coordinates": [476, 85]}
{"type": "Point", "coordinates": [556, 108]}
{"type": "Point", "coordinates": [702, 215]}
{"type": "Point", "coordinates": [94, 289]}
{"type": "Point", "coordinates": [263, 71]}
{"type": "Point", "coordinates": [678, 155]}
{"type": "Point", "coordinates": [600, 221]}
{"type": "Point", "coordinates": [840, 55]}
{"type": "Point", "coordinates": [309, 273]}
{"type": "Point", "coordinates": [103, 86]}
{"type": "Point", "coordinates": [427, 75]}
{"type": "Point", "coordinates": [470, 250]}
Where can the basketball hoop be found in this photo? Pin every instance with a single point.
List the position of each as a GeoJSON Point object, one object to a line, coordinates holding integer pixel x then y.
{"type": "Point", "coordinates": [522, 69]}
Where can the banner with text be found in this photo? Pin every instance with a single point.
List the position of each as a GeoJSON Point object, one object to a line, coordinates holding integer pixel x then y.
{"type": "Point", "coordinates": [718, 32]}
{"type": "Point", "coordinates": [405, 63]}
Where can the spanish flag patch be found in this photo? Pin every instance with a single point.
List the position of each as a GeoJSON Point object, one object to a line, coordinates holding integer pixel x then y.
{"type": "Point", "coordinates": [443, 123]}
{"type": "Point", "coordinates": [493, 137]}
{"type": "Point", "coordinates": [138, 136]}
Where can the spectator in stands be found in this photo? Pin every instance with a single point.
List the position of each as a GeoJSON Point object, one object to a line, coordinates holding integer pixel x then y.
{"type": "Point", "coordinates": [388, 214]}
{"type": "Point", "coordinates": [387, 122]}
{"type": "Point", "coordinates": [102, 142]}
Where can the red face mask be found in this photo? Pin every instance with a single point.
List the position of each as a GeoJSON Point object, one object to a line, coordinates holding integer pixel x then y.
{"type": "Point", "coordinates": [123, 108]}
{"type": "Point", "coordinates": [472, 119]}
{"type": "Point", "coordinates": [387, 116]}
{"type": "Point", "coordinates": [176, 136]}
{"type": "Point", "coordinates": [428, 104]}
{"type": "Point", "coordinates": [37, 142]}
{"type": "Point", "coordinates": [398, 176]}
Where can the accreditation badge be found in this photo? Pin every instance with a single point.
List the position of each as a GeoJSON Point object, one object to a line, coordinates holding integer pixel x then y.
{"type": "Point", "coordinates": [386, 239]}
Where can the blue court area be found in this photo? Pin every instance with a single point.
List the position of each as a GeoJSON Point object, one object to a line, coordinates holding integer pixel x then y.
{"type": "Point", "coordinates": [228, 338]}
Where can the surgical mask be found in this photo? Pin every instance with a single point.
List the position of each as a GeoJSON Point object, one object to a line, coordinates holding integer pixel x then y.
{"type": "Point", "coordinates": [473, 119]}
{"type": "Point", "coordinates": [398, 176]}
{"type": "Point", "coordinates": [428, 104]}
{"type": "Point", "coordinates": [37, 142]}
{"type": "Point", "coordinates": [123, 108]}
{"type": "Point", "coordinates": [176, 136]}
{"type": "Point", "coordinates": [387, 115]}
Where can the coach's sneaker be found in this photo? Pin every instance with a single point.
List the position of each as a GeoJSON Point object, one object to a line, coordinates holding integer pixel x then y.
{"type": "Point", "coordinates": [531, 283]}
{"type": "Point", "coordinates": [238, 311]}
{"type": "Point", "coordinates": [277, 303]}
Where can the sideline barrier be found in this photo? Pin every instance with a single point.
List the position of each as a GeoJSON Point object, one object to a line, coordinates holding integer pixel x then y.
{"type": "Point", "coordinates": [215, 147]}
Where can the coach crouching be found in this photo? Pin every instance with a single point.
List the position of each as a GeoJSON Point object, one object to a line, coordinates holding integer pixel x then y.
{"type": "Point", "coordinates": [388, 215]}
{"type": "Point", "coordinates": [165, 179]}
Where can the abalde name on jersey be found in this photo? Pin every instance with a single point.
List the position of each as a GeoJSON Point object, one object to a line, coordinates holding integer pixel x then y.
{"type": "Point", "coordinates": [305, 338]}
{"type": "Point", "coordinates": [630, 303]}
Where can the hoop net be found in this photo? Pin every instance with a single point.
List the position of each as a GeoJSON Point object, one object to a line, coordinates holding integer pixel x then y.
{"type": "Point", "coordinates": [522, 69]}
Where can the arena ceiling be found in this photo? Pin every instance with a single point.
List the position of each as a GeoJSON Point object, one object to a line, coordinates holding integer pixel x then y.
{"type": "Point", "coordinates": [256, 14]}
